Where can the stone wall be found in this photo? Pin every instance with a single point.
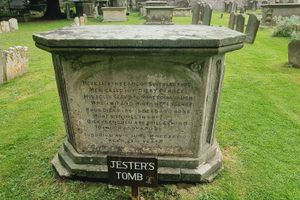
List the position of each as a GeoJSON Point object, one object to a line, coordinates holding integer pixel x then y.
{"type": "Point", "coordinates": [13, 63]}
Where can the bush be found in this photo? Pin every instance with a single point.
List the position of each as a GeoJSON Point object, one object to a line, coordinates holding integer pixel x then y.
{"type": "Point", "coordinates": [286, 26]}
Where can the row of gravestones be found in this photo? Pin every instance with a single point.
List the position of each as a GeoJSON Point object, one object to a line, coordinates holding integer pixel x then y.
{"type": "Point", "coordinates": [8, 26]}
{"type": "Point", "coordinates": [13, 63]}
{"type": "Point", "coordinates": [237, 22]}
{"type": "Point", "coordinates": [230, 6]}
{"type": "Point", "coordinates": [202, 13]}
{"type": "Point", "coordinates": [80, 21]}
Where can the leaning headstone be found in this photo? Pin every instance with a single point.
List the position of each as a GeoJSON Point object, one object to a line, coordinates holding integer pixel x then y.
{"type": "Point", "coordinates": [231, 21]}
{"type": "Point", "coordinates": [5, 26]}
{"type": "Point", "coordinates": [81, 21]}
{"type": "Point", "coordinates": [252, 28]}
{"type": "Point", "coordinates": [240, 23]}
{"type": "Point", "coordinates": [207, 13]}
{"type": "Point", "coordinates": [196, 14]}
{"type": "Point", "coordinates": [76, 21]}
{"type": "Point", "coordinates": [294, 53]}
{"type": "Point", "coordinates": [85, 19]}
{"type": "Point", "coordinates": [161, 104]}
{"type": "Point", "coordinates": [14, 62]}
{"type": "Point", "coordinates": [13, 24]}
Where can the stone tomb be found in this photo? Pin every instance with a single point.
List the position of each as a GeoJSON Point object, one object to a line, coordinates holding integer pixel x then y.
{"type": "Point", "coordinates": [182, 12]}
{"type": "Point", "coordinates": [114, 14]}
{"type": "Point", "coordinates": [13, 63]}
{"type": "Point", "coordinates": [140, 91]}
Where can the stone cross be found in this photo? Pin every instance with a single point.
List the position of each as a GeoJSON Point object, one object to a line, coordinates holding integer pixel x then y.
{"type": "Point", "coordinates": [76, 21]}
{"type": "Point", "coordinates": [252, 28]}
{"type": "Point", "coordinates": [5, 26]}
{"type": "Point", "coordinates": [240, 23]}
{"type": "Point", "coordinates": [13, 24]}
{"type": "Point", "coordinates": [206, 15]}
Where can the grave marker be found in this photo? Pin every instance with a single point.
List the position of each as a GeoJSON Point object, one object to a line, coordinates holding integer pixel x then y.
{"type": "Point", "coordinates": [13, 24]}
{"type": "Point", "coordinates": [240, 23]}
{"type": "Point", "coordinates": [252, 28]}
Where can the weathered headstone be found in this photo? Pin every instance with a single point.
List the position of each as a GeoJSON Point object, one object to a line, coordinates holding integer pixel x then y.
{"type": "Point", "coordinates": [240, 23]}
{"type": "Point", "coordinates": [207, 13]}
{"type": "Point", "coordinates": [14, 62]}
{"type": "Point", "coordinates": [76, 21]}
{"type": "Point", "coordinates": [232, 19]}
{"type": "Point", "coordinates": [196, 13]}
{"type": "Point", "coordinates": [114, 14]}
{"type": "Point", "coordinates": [4, 26]}
{"type": "Point", "coordinates": [252, 28]}
{"type": "Point", "coordinates": [13, 24]}
{"type": "Point", "coordinates": [294, 53]}
{"type": "Point", "coordinates": [143, 91]}
{"type": "Point", "coordinates": [81, 21]}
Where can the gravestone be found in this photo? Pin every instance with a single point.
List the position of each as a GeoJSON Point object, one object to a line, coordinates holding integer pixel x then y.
{"type": "Point", "coordinates": [85, 18]}
{"type": "Point", "coordinates": [294, 53]}
{"type": "Point", "coordinates": [114, 14]}
{"type": "Point", "coordinates": [4, 26]}
{"type": "Point", "coordinates": [207, 13]}
{"type": "Point", "coordinates": [232, 20]}
{"type": "Point", "coordinates": [234, 7]}
{"type": "Point", "coordinates": [13, 24]}
{"type": "Point", "coordinates": [196, 13]}
{"type": "Point", "coordinates": [76, 21]}
{"type": "Point", "coordinates": [240, 23]}
{"type": "Point", "coordinates": [156, 15]}
{"type": "Point", "coordinates": [14, 62]}
{"type": "Point", "coordinates": [81, 21]}
{"type": "Point", "coordinates": [252, 28]}
{"type": "Point", "coordinates": [144, 91]}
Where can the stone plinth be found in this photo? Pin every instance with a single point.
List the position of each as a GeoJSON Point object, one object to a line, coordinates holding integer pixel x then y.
{"type": "Point", "coordinates": [114, 14]}
{"type": "Point", "coordinates": [159, 15]}
{"type": "Point", "coordinates": [269, 11]}
{"type": "Point", "coordinates": [182, 12]}
{"type": "Point", "coordinates": [294, 53]}
{"type": "Point", "coordinates": [140, 91]}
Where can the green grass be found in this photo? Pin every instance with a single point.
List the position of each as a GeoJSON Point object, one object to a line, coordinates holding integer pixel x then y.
{"type": "Point", "coordinates": [258, 127]}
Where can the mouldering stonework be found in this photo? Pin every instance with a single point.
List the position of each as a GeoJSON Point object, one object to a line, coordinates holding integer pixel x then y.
{"type": "Point", "coordinates": [142, 91]}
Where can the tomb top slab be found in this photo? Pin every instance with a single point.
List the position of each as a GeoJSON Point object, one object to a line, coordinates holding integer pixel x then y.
{"type": "Point", "coordinates": [140, 36]}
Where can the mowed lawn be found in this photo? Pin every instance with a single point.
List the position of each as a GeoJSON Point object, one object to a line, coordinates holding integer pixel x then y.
{"type": "Point", "coordinates": [258, 127]}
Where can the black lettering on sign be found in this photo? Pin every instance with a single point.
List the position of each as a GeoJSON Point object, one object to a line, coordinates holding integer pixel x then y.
{"type": "Point", "coordinates": [132, 171]}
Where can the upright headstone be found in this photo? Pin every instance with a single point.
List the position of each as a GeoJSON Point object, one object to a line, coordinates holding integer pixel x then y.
{"type": "Point", "coordinates": [81, 21]}
{"type": "Point", "coordinates": [13, 24]}
{"type": "Point", "coordinates": [207, 13]}
{"type": "Point", "coordinates": [85, 18]}
{"type": "Point", "coordinates": [294, 53]}
{"type": "Point", "coordinates": [252, 28]}
{"type": "Point", "coordinates": [231, 21]}
{"type": "Point", "coordinates": [14, 62]}
{"type": "Point", "coordinates": [240, 23]}
{"type": "Point", "coordinates": [196, 14]}
{"type": "Point", "coordinates": [76, 21]}
{"type": "Point", "coordinates": [5, 26]}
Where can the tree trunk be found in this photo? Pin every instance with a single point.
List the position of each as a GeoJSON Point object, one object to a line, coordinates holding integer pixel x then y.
{"type": "Point", "coordinates": [53, 10]}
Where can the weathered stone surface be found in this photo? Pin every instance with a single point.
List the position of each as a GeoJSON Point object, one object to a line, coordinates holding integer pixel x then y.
{"type": "Point", "coordinates": [252, 28]}
{"type": "Point", "coordinates": [4, 26]}
{"type": "Point", "coordinates": [159, 15]}
{"type": "Point", "coordinates": [182, 12]}
{"type": "Point", "coordinates": [196, 13]}
{"type": "Point", "coordinates": [114, 14]}
{"type": "Point", "coordinates": [81, 21]}
{"type": "Point", "coordinates": [13, 24]}
{"type": "Point", "coordinates": [294, 53]}
{"type": "Point", "coordinates": [240, 23]}
{"type": "Point", "coordinates": [140, 90]}
{"type": "Point", "coordinates": [14, 62]}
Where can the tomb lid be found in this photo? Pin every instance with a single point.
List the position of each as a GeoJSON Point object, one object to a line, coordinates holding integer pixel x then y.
{"type": "Point", "coordinates": [140, 36]}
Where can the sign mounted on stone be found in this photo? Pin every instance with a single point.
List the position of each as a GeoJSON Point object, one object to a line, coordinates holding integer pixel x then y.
{"type": "Point", "coordinates": [143, 91]}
